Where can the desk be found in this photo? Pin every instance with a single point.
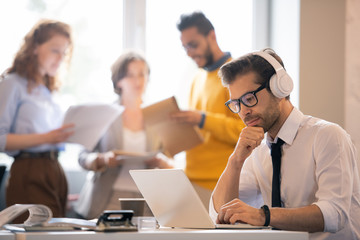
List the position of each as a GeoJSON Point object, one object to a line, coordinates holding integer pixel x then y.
{"type": "Point", "coordinates": [6, 235]}
{"type": "Point", "coordinates": [167, 234]}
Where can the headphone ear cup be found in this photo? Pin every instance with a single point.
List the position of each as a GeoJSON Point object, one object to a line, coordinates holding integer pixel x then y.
{"type": "Point", "coordinates": [281, 87]}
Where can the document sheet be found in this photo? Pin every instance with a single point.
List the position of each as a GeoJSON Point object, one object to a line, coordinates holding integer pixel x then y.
{"type": "Point", "coordinates": [91, 121]}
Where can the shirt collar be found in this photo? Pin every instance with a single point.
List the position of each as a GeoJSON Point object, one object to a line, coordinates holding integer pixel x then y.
{"type": "Point", "coordinates": [289, 129]}
{"type": "Point", "coordinates": [218, 63]}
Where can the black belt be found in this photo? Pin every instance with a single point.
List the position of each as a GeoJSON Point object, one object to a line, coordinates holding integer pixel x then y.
{"type": "Point", "coordinates": [53, 155]}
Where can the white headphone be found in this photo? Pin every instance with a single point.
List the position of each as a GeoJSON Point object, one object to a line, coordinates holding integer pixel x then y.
{"type": "Point", "coordinates": [280, 83]}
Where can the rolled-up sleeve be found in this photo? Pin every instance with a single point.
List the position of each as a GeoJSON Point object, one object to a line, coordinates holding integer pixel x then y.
{"type": "Point", "coordinates": [335, 158]}
{"type": "Point", "coordinates": [332, 218]}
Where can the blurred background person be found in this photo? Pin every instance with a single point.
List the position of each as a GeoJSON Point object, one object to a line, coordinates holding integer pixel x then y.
{"type": "Point", "coordinates": [221, 129]}
{"type": "Point", "coordinates": [30, 120]}
{"type": "Point", "coordinates": [110, 178]}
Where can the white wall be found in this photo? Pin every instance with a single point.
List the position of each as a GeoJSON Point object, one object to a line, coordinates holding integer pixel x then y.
{"type": "Point", "coordinates": [322, 57]}
{"type": "Point", "coordinates": [352, 71]}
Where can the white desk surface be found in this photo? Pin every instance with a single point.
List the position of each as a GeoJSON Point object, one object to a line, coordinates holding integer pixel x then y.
{"type": "Point", "coordinates": [6, 235]}
{"type": "Point", "coordinates": [167, 234]}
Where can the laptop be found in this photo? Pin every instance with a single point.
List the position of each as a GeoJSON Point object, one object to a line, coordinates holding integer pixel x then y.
{"type": "Point", "coordinates": [173, 200]}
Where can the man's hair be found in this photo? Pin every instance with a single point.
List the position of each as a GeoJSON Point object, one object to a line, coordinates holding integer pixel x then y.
{"type": "Point", "coordinates": [195, 19]}
{"type": "Point", "coordinates": [119, 69]}
{"type": "Point", "coordinates": [247, 64]}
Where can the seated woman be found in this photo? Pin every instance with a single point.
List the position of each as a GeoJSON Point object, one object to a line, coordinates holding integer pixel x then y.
{"type": "Point", "coordinates": [110, 178]}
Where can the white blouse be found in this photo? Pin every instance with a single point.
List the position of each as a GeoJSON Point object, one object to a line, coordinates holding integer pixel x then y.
{"type": "Point", "coordinates": [133, 142]}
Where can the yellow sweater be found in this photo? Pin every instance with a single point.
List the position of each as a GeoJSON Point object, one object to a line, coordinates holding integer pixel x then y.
{"type": "Point", "coordinates": [206, 162]}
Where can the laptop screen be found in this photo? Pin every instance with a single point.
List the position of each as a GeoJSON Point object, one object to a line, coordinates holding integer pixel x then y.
{"type": "Point", "coordinates": [172, 198]}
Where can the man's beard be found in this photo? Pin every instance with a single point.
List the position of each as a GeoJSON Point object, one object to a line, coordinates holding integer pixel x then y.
{"type": "Point", "coordinates": [209, 57]}
{"type": "Point", "coordinates": [272, 114]}
{"type": "Point", "coordinates": [269, 117]}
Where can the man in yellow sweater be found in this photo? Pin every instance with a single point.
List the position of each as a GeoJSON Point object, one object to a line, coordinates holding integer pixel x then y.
{"type": "Point", "coordinates": [220, 128]}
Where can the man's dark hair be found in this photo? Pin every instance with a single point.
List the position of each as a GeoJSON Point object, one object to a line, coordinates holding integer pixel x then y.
{"type": "Point", "coordinates": [195, 19]}
{"type": "Point", "coordinates": [249, 63]}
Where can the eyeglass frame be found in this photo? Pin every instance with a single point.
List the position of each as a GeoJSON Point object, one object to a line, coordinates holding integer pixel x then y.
{"type": "Point", "coordinates": [239, 100]}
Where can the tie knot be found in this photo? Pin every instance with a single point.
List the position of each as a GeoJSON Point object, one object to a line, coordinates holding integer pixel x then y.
{"type": "Point", "coordinates": [278, 144]}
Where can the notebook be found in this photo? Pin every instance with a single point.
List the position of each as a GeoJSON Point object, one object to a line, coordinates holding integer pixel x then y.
{"type": "Point", "coordinates": [173, 200]}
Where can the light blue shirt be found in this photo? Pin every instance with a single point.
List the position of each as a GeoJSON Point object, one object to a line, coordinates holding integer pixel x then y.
{"type": "Point", "coordinates": [22, 112]}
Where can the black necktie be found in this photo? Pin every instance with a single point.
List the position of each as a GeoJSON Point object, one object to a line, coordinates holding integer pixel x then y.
{"type": "Point", "coordinates": [276, 160]}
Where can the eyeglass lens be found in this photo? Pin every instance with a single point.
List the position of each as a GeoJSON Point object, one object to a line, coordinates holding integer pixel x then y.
{"type": "Point", "coordinates": [248, 100]}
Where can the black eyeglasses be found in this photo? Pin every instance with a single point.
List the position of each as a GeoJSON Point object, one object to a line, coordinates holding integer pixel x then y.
{"type": "Point", "coordinates": [249, 99]}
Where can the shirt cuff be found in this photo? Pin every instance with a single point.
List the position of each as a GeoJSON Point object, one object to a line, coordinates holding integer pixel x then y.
{"type": "Point", "coordinates": [212, 212]}
{"type": "Point", "coordinates": [202, 121]}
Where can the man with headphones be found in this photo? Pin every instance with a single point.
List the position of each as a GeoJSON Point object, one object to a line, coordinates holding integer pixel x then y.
{"type": "Point", "coordinates": [302, 177]}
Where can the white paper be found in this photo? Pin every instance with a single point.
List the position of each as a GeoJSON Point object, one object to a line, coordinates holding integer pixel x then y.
{"type": "Point", "coordinates": [91, 122]}
{"type": "Point", "coordinates": [38, 214]}
{"type": "Point", "coordinates": [40, 219]}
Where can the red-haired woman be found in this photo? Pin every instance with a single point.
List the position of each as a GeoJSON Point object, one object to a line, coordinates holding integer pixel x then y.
{"type": "Point", "coordinates": [30, 120]}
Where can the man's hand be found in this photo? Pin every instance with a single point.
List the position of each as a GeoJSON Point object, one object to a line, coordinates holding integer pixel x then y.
{"type": "Point", "coordinates": [238, 211]}
{"type": "Point", "coordinates": [190, 117]}
{"type": "Point", "coordinates": [250, 138]}
{"type": "Point", "coordinates": [307, 218]}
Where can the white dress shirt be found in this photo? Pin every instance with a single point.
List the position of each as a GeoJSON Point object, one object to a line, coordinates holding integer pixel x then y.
{"type": "Point", "coordinates": [318, 166]}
